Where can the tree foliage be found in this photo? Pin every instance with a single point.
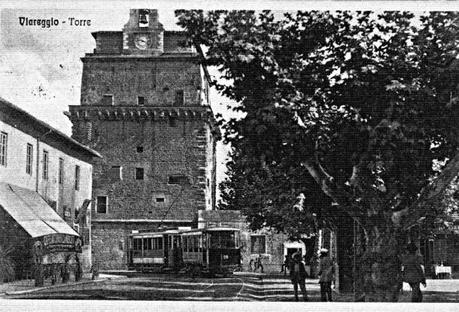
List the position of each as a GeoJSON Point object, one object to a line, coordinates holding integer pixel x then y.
{"type": "Point", "coordinates": [371, 98]}
{"type": "Point", "coordinates": [350, 109]}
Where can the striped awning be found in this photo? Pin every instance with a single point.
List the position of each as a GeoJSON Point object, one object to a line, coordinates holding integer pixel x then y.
{"type": "Point", "coordinates": [32, 212]}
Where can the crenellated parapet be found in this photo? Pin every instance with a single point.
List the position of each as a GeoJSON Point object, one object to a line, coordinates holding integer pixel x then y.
{"type": "Point", "coordinates": [78, 113]}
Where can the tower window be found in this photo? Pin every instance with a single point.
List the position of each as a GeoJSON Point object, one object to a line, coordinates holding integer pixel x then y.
{"type": "Point", "coordinates": [116, 173]}
{"type": "Point", "coordinates": [102, 204]}
{"type": "Point", "coordinates": [140, 100]}
{"type": "Point", "coordinates": [160, 199]}
{"type": "Point", "coordinates": [139, 173]}
{"type": "Point", "coordinates": [29, 157]}
{"type": "Point", "coordinates": [139, 149]}
{"type": "Point", "coordinates": [178, 101]}
{"type": "Point", "coordinates": [107, 99]}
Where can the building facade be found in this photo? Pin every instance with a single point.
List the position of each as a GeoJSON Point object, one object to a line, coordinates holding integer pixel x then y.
{"type": "Point", "coordinates": [46, 187]}
{"type": "Point", "coordinates": [145, 108]}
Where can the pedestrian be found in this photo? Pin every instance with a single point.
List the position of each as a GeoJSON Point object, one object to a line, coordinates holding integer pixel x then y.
{"type": "Point", "coordinates": [251, 265]}
{"type": "Point", "coordinates": [78, 269]}
{"type": "Point", "coordinates": [298, 276]}
{"type": "Point", "coordinates": [326, 275]}
{"type": "Point", "coordinates": [285, 265]}
{"type": "Point", "coordinates": [94, 270]}
{"type": "Point", "coordinates": [258, 264]}
{"type": "Point", "coordinates": [413, 273]}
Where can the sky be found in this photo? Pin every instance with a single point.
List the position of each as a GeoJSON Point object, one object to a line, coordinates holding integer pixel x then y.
{"type": "Point", "coordinates": [40, 67]}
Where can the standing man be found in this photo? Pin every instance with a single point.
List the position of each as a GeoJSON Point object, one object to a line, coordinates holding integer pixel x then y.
{"type": "Point", "coordinates": [326, 273]}
{"type": "Point", "coordinates": [413, 273]}
{"type": "Point", "coordinates": [258, 264]}
{"type": "Point", "coordinates": [298, 276]}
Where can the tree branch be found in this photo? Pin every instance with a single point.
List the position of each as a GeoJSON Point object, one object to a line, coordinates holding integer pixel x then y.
{"type": "Point", "coordinates": [332, 190]}
{"type": "Point", "coordinates": [429, 196]}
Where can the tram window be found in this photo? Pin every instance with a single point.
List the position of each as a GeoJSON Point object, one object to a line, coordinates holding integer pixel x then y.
{"type": "Point", "coordinates": [185, 243]}
{"type": "Point", "coordinates": [160, 243]}
{"type": "Point", "coordinates": [215, 240]}
{"type": "Point", "coordinates": [137, 244]}
{"type": "Point", "coordinates": [238, 239]}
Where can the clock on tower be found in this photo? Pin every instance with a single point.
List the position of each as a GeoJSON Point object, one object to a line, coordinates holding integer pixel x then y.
{"type": "Point", "coordinates": [143, 33]}
{"type": "Point", "coordinates": [141, 41]}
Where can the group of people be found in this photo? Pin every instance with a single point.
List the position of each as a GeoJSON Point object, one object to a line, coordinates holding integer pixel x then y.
{"type": "Point", "coordinates": [412, 273]}
{"type": "Point", "coordinates": [256, 264]}
{"type": "Point", "coordinates": [298, 275]}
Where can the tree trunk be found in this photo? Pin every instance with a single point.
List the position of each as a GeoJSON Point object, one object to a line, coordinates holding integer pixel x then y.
{"type": "Point", "coordinates": [345, 237]}
{"type": "Point", "coordinates": [378, 269]}
{"type": "Point", "coordinates": [378, 276]}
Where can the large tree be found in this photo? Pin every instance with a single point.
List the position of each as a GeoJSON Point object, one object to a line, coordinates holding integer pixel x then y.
{"type": "Point", "coordinates": [343, 116]}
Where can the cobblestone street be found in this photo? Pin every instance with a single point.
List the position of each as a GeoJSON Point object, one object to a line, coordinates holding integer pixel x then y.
{"type": "Point", "coordinates": [253, 287]}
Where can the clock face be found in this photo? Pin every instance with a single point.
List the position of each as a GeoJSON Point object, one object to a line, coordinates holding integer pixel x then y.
{"type": "Point", "coordinates": [141, 42]}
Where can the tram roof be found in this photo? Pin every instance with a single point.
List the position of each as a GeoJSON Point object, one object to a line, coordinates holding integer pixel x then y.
{"type": "Point", "coordinates": [184, 231]}
{"type": "Point", "coordinates": [158, 233]}
{"type": "Point", "coordinates": [213, 229]}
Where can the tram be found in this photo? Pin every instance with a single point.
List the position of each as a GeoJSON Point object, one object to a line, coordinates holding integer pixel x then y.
{"type": "Point", "coordinates": [210, 250]}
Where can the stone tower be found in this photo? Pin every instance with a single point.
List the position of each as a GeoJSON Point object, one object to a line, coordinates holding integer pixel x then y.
{"type": "Point", "coordinates": [145, 108]}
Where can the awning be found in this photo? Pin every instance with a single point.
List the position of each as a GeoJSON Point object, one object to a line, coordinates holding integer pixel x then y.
{"type": "Point", "coordinates": [32, 212]}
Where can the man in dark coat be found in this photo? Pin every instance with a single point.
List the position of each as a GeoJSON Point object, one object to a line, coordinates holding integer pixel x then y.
{"type": "Point", "coordinates": [413, 273]}
{"type": "Point", "coordinates": [298, 276]}
{"type": "Point", "coordinates": [326, 273]}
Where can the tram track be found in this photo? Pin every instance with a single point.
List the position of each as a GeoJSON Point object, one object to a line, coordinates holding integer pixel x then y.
{"type": "Point", "coordinates": [203, 290]}
{"type": "Point", "coordinates": [240, 290]}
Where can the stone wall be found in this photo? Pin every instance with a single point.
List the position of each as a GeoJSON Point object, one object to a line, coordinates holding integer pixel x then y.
{"type": "Point", "coordinates": [109, 245]}
{"type": "Point", "coordinates": [179, 150]}
{"type": "Point", "coordinates": [157, 80]}
{"type": "Point", "coordinates": [108, 42]}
